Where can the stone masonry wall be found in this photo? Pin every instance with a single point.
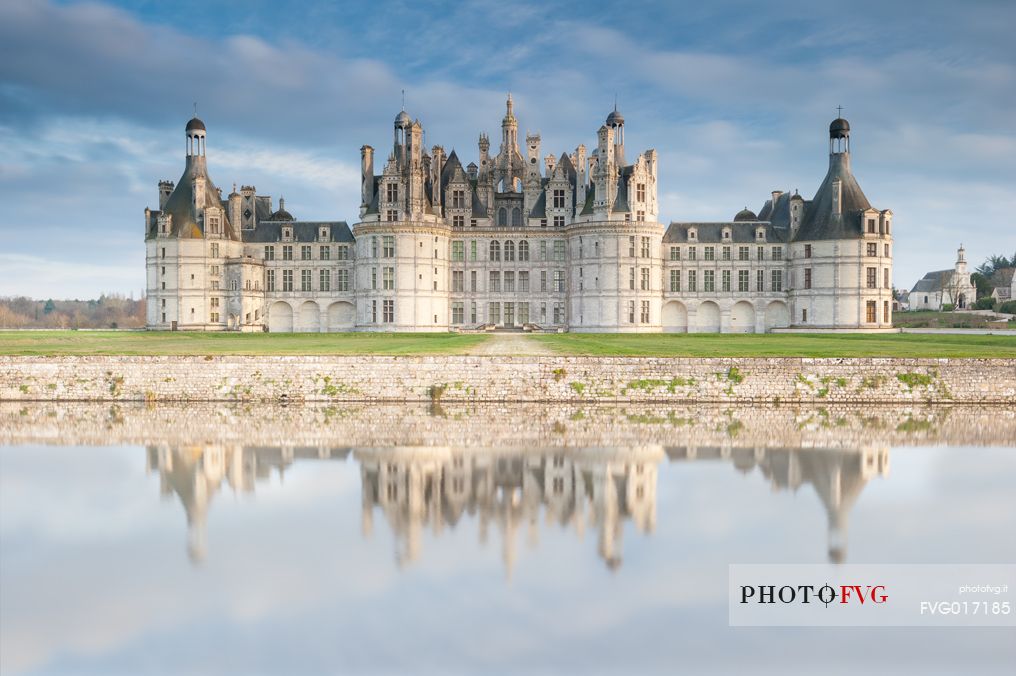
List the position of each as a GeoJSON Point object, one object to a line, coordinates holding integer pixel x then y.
{"type": "Point", "coordinates": [522, 379]}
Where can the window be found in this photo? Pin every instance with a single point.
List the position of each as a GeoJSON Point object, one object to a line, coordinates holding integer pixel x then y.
{"type": "Point", "coordinates": [517, 217]}
{"type": "Point", "coordinates": [305, 254]}
{"type": "Point", "coordinates": [742, 280]}
{"type": "Point", "coordinates": [472, 249]}
{"type": "Point", "coordinates": [558, 280]}
{"type": "Point", "coordinates": [472, 280]}
{"type": "Point", "coordinates": [472, 313]}
{"type": "Point", "coordinates": [543, 249]}
{"type": "Point", "coordinates": [640, 215]}
{"type": "Point", "coordinates": [885, 311]}
{"type": "Point", "coordinates": [760, 280]}
{"type": "Point", "coordinates": [373, 246]}
{"type": "Point", "coordinates": [631, 278]}
{"type": "Point", "coordinates": [872, 278]}
{"type": "Point", "coordinates": [325, 280]}
{"type": "Point", "coordinates": [709, 280]}
{"type": "Point", "coordinates": [373, 311]}
{"type": "Point", "coordinates": [710, 253]}
{"type": "Point", "coordinates": [640, 192]}
{"type": "Point", "coordinates": [558, 221]}
{"type": "Point", "coordinates": [389, 312]}
{"type": "Point", "coordinates": [726, 253]}
{"type": "Point", "coordinates": [388, 246]}
{"type": "Point", "coordinates": [804, 315]}
{"type": "Point", "coordinates": [872, 248]}
{"type": "Point", "coordinates": [287, 252]}
{"type": "Point", "coordinates": [543, 280]}
{"type": "Point", "coordinates": [458, 312]}
{"type": "Point", "coordinates": [524, 280]}
{"type": "Point", "coordinates": [559, 249]}
{"type": "Point", "coordinates": [742, 253]}
{"type": "Point", "coordinates": [871, 312]}
{"type": "Point", "coordinates": [692, 280]}
{"type": "Point", "coordinates": [305, 278]}
{"type": "Point", "coordinates": [509, 281]}
{"type": "Point", "coordinates": [631, 312]}
{"type": "Point", "coordinates": [885, 251]}
{"type": "Point", "coordinates": [287, 280]}
{"type": "Point", "coordinates": [472, 222]}
{"type": "Point", "coordinates": [459, 221]}
{"type": "Point", "coordinates": [392, 192]}
{"type": "Point", "coordinates": [692, 253]}
{"type": "Point", "coordinates": [871, 230]}
{"type": "Point", "coordinates": [342, 252]}
{"type": "Point", "coordinates": [543, 222]}
{"type": "Point", "coordinates": [494, 281]}
{"type": "Point", "coordinates": [559, 199]}
{"type": "Point", "coordinates": [644, 318]}
{"type": "Point", "coordinates": [373, 278]}
{"type": "Point", "coordinates": [458, 199]}
{"type": "Point", "coordinates": [559, 313]}
{"type": "Point", "coordinates": [270, 280]}
{"type": "Point", "coordinates": [392, 215]}
{"type": "Point", "coordinates": [458, 251]}
{"type": "Point", "coordinates": [524, 251]}
{"type": "Point", "coordinates": [287, 233]}
{"type": "Point", "coordinates": [214, 247]}
{"type": "Point", "coordinates": [777, 253]}
{"type": "Point", "coordinates": [325, 252]}
{"type": "Point", "coordinates": [777, 280]}
{"type": "Point", "coordinates": [342, 280]}
{"type": "Point", "coordinates": [215, 317]}
{"type": "Point", "coordinates": [502, 217]}
{"type": "Point", "coordinates": [807, 278]}
{"type": "Point", "coordinates": [494, 313]}
{"type": "Point", "coordinates": [214, 302]}
{"type": "Point", "coordinates": [523, 313]}
{"type": "Point", "coordinates": [388, 278]}
{"type": "Point", "coordinates": [645, 279]}
{"type": "Point", "coordinates": [631, 246]}
{"type": "Point", "coordinates": [675, 281]}
{"type": "Point", "coordinates": [509, 251]}
{"type": "Point", "coordinates": [675, 253]}
{"type": "Point", "coordinates": [495, 250]}
{"type": "Point", "coordinates": [885, 278]}
{"type": "Point", "coordinates": [761, 253]}
{"type": "Point", "coordinates": [807, 250]}
{"type": "Point", "coordinates": [645, 247]}
{"type": "Point", "coordinates": [726, 280]}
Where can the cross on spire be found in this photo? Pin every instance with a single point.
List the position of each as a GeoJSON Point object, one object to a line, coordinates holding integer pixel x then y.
{"type": "Point", "coordinates": [839, 111]}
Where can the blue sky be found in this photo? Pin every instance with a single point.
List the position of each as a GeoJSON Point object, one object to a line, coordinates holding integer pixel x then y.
{"type": "Point", "coordinates": [735, 96]}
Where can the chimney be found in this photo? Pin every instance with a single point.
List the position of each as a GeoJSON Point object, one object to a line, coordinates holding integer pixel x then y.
{"type": "Point", "coordinates": [366, 175]}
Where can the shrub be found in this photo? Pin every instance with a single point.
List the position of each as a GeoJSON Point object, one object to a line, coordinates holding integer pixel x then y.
{"type": "Point", "coordinates": [986, 303]}
{"type": "Point", "coordinates": [1008, 307]}
{"type": "Point", "coordinates": [948, 307]}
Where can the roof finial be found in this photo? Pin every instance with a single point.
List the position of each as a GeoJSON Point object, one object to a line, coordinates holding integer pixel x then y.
{"type": "Point", "coordinates": [403, 100]}
{"type": "Point", "coordinates": [839, 111]}
{"type": "Point", "coordinates": [615, 102]}
{"type": "Point", "coordinates": [195, 109]}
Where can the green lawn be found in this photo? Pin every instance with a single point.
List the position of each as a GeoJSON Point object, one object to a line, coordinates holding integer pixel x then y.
{"type": "Point", "coordinates": [779, 345]}
{"type": "Point", "coordinates": [187, 343]}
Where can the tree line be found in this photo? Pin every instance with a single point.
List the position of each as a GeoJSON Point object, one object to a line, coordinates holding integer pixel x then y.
{"type": "Point", "coordinates": [109, 311]}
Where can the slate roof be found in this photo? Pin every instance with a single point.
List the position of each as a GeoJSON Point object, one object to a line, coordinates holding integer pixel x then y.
{"type": "Point", "coordinates": [933, 281]}
{"type": "Point", "coordinates": [181, 200]}
{"type": "Point", "coordinates": [741, 232]}
{"type": "Point", "coordinates": [303, 232]}
{"type": "Point", "coordinates": [819, 221]}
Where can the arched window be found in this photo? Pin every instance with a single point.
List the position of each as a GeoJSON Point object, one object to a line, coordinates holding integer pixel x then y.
{"type": "Point", "coordinates": [509, 251]}
{"type": "Point", "coordinates": [516, 217]}
{"type": "Point", "coordinates": [517, 185]}
{"type": "Point", "coordinates": [524, 250]}
{"type": "Point", "coordinates": [495, 251]}
{"type": "Point", "coordinates": [502, 217]}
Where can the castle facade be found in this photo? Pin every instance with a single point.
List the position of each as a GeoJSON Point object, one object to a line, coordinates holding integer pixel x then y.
{"type": "Point", "coordinates": [519, 240]}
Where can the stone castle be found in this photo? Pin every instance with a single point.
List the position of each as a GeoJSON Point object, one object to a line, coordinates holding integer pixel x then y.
{"type": "Point", "coordinates": [572, 242]}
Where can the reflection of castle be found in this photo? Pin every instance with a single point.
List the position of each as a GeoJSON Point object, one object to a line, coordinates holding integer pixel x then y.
{"type": "Point", "coordinates": [196, 473]}
{"type": "Point", "coordinates": [418, 488]}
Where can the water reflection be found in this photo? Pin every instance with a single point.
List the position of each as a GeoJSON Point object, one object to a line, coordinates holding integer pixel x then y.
{"type": "Point", "coordinates": [598, 490]}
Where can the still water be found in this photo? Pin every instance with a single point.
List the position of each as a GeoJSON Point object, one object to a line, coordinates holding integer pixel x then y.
{"type": "Point", "coordinates": [205, 539]}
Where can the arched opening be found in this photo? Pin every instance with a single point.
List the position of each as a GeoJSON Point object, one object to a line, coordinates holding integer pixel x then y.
{"type": "Point", "coordinates": [675, 317]}
{"type": "Point", "coordinates": [502, 217]}
{"type": "Point", "coordinates": [516, 217]}
{"type": "Point", "coordinates": [742, 317]}
{"type": "Point", "coordinates": [280, 317]}
{"type": "Point", "coordinates": [509, 251]}
{"type": "Point", "coordinates": [341, 316]}
{"type": "Point", "coordinates": [310, 317]}
{"type": "Point", "coordinates": [777, 315]}
{"type": "Point", "coordinates": [961, 302]}
{"type": "Point", "coordinates": [708, 317]}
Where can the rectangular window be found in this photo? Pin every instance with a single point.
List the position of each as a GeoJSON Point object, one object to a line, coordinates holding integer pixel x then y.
{"type": "Point", "coordinates": [559, 249]}
{"type": "Point", "coordinates": [458, 251]}
{"type": "Point", "coordinates": [644, 318]}
{"type": "Point", "coordinates": [524, 280]}
{"type": "Point", "coordinates": [388, 279]}
{"type": "Point", "coordinates": [807, 278]}
{"type": "Point", "coordinates": [388, 246]}
{"type": "Point", "coordinates": [726, 280]}
{"type": "Point", "coordinates": [458, 221]}
{"type": "Point", "coordinates": [373, 246]}
{"type": "Point", "coordinates": [675, 281]}
{"type": "Point", "coordinates": [631, 278]}
{"type": "Point", "coordinates": [389, 312]}
{"type": "Point", "coordinates": [494, 313]}
{"type": "Point", "coordinates": [777, 280]}
{"type": "Point", "coordinates": [631, 246]}
{"type": "Point", "coordinates": [392, 192]}
{"type": "Point", "coordinates": [458, 199]}
{"type": "Point", "coordinates": [543, 280]}
{"type": "Point", "coordinates": [761, 253]}
{"type": "Point", "coordinates": [675, 253]}
{"type": "Point", "coordinates": [645, 279]}
{"type": "Point", "coordinates": [305, 252]}
{"type": "Point", "coordinates": [692, 280]}
{"type": "Point", "coordinates": [871, 312]}
{"type": "Point", "coordinates": [342, 280]}
{"type": "Point", "coordinates": [214, 302]}
{"type": "Point", "coordinates": [742, 253]}
{"type": "Point", "coordinates": [509, 281]}
{"type": "Point", "coordinates": [639, 215]}
{"type": "Point", "coordinates": [543, 222]}
{"type": "Point", "coordinates": [458, 312]}
{"type": "Point", "coordinates": [373, 278]}
{"type": "Point", "coordinates": [709, 280]}
{"type": "Point", "coordinates": [494, 281]}
{"type": "Point", "coordinates": [215, 250]}
{"type": "Point", "coordinates": [472, 249]}
{"type": "Point", "coordinates": [872, 278]}
{"type": "Point", "coordinates": [472, 280]}
{"type": "Point", "coordinates": [871, 227]}
{"type": "Point", "coordinates": [270, 280]}
{"type": "Point", "coordinates": [710, 253]}
{"type": "Point", "coordinates": [342, 252]}
{"type": "Point", "coordinates": [523, 313]}
{"type": "Point", "coordinates": [807, 250]}
{"type": "Point", "coordinates": [726, 253]}
{"type": "Point", "coordinates": [392, 215]}
{"type": "Point", "coordinates": [215, 317]}
{"type": "Point", "coordinates": [804, 315]}
{"type": "Point", "coordinates": [287, 280]}
{"type": "Point", "coordinates": [305, 279]}
{"type": "Point", "coordinates": [640, 192]}
{"type": "Point", "coordinates": [742, 280]}
{"type": "Point", "coordinates": [325, 281]}
{"type": "Point", "coordinates": [287, 252]}
{"type": "Point", "coordinates": [543, 249]}
{"type": "Point", "coordinates": [559, 313]}
{"type": "Point", "coordinates": [885, 250]}
{"type": "Point", "coordinates": [760, 280]}
{"type": "Point", "coordinates": [559, 199]}
{"type": "Point", "coordinates": [777, 253]}
{"type": "Point", "coordinates": [631, 312]}
{"type": "Point", "coordinates": [645, 247]}
{"type": "Point", "coordinates": [872, 248]}
{"type": "Point", "coordinates": [885, 278]}
{"type": "Point", "coordinates": [692, 253]}
{"type": "Point", "coordinates": [325, 252]}
{"type": "Point", "coordinates": [885, 311]}
{"type": "Point", "coordinates": [373, 311]}
{"type": "Point", "coordinates": [458, 280]}
{"type": "Point", "coordinates": [472, 312]}
{"type": "Point", "coordinates": [558, 280]}
{"type": "Point", "coordinates": [558, 221]}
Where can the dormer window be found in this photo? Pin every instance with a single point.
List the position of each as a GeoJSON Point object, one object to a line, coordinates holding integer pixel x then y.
{"type": "Point", "coordinates": [760, 234]}
{"type": "Point", "coordinates": [324, 233]}
{"type": "Point", "coordinates": [287, 233]}
{"type": "Point", "coordinates": [693, 234]}
{"type": "Point", "coordinates": [726, 234]}
{"type": "Point", "coordinates": [392, 192]}
{"type": "Point", "coordinates": [214, 226]}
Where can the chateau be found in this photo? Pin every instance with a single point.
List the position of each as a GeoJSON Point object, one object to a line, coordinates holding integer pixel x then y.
{"type": "Point", "coordinates": [521, 239]}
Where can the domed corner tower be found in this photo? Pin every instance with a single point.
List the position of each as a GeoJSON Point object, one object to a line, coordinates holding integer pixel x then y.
{"type": "Point", "coordinates": [841, 253]}
{"type": "Point", "coordinates": [401, 242]}
{"type": "Point", "coordinates": [615, 241]}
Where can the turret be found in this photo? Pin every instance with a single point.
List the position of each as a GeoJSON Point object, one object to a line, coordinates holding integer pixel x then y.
{"type": "Point", "coordinates": [165, 190]}
{"type": "Point", "coordinates": [961, 261]}
{"type": "Point", "coordinates": [615, 122]}
{"type": "Point", "coordinates": [509, 127]}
